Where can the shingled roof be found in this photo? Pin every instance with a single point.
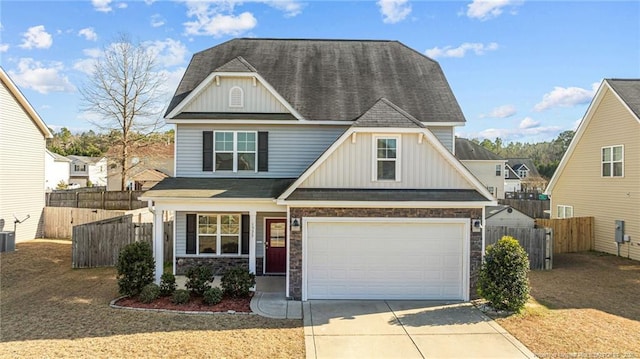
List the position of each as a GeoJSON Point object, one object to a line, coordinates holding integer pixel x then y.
{"type": "Point", "coordinates": [469, 151]}
{"type": "Point", "coordinates": [629, 91]}
{"type": "Point", "coordinates": [334, 79]}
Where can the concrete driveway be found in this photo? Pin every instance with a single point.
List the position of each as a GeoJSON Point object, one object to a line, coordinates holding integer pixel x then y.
{"type": "Point", "coordinates": [404, 329]}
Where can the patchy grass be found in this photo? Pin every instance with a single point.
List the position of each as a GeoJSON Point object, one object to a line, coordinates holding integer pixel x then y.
{"type": "Point", "coordinates": [50, 310]}
{"type": "Point", "coordinates": [587, 306]}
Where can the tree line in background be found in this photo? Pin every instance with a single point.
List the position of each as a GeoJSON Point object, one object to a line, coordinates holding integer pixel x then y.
{"type": "Point", "coordinates": [92, 144]}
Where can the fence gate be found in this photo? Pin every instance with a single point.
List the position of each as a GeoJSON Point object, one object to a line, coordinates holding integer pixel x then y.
{"type": "Point", "coordinates": [537, 242]}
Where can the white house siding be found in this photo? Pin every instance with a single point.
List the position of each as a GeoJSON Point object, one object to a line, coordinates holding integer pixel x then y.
{"type": "Point", "coordinates": [445, 134]}
{"type": "Point", "coordinates": [22, 149]}
{"type": "Point", "coordinates": [291, 148]}
{"type": "Point", "coordinates": [98, 173]}
{"type": "Point", "coordinates": [55, 172]}
{"type": "Point", "coordinates": [351, 166]}
{"type": "Point", "coordinates": [512, 185]}
{"type": "Point", "coordinates": [606, 199]}
{"type": "Point", "coordinates": [215, 98]}
{"type": "Point", "coordinates": [485, 172]}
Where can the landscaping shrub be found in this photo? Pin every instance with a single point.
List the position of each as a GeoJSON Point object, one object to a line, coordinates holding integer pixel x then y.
{"type": "Point", "coordinates": [149, 293]}
{"type": "Point", "coordinates": [212, 296]}
{"type": "Point", "coordinates": [167, 284]}
{"type": "Point", "coordinates": [135, 268]}
{"type": "Point", "coordinates": [503, 277]}
{"type": "Point", "coordinates": [180, 296]}
{"type": "Point", "coordinates": [237, 281]}
{"type": "Point", "coordinates": [199, 279]}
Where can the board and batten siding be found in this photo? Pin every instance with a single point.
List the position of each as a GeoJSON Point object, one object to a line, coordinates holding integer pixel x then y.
{"type": "Point", "coordinates": [445, 134]}
{"type": "Point", "coordinates": [605, 198]}
{"type": "Point", "coordinates": [22, 156]}
{"type": "Point", "coordinates": [421, 166]}
{"type": "Point", "coordinates": [291, 148]}
{"type": "Point", "coordinates": [215, 98]}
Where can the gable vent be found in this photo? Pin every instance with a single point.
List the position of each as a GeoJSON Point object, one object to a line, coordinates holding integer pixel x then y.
{"type": "Point", "coordinates": [236, 97]}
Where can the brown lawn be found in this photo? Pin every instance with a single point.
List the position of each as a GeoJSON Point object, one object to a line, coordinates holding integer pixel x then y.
{"type": "Point", "coordinates": [588, 306]}
{"type": "Point", "coordinates": [49, 310]}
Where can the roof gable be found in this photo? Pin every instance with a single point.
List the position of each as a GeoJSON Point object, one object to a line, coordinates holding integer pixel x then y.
{"type": "Point", "coordinates": [629, 92]}
{"type": "Point", "coordinates": [470, 151]}
{"type": "Point", "coordinates": [24, 103]}
{"type": "Point", "coordinates": [239, 64]}
{"type": "Point", "coordinates": [517, 163]}
{"type": "Point", "coordinates": [334, 79]}
{"type": "Point", "coordinates": [385, 114]}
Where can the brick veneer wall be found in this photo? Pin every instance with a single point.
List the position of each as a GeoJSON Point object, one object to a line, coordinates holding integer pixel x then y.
{"type": "Point", "coordinates": [295, 242]}
{"type": "Point", "coordinates": [218, 264]}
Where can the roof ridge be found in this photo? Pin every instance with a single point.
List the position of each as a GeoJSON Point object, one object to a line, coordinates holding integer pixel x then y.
{"type": "Point", "coordinates": [312, 39]}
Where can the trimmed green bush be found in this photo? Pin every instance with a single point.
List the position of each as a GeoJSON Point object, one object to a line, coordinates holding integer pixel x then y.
{"type": "Point", "coordinates": [237, 281]}
{"type": "Point", "coordinates": [135, 268]}
{"type": "Point", "coordinates": [167, 284]}
{"type": "Point", "coordinates": [212, 296]}
{"type": "Point", "coordinates": [199, 279]}
{"type": "Point", "coordinates": [503, 277]}
{"type": "Point", "coordinates": [180, 296]}
{"type": "Point", "coordinates": [149, 293]}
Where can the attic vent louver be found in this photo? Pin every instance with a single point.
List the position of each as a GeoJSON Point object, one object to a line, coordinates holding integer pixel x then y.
{"type": "Point", "coordinates": [236, 97]}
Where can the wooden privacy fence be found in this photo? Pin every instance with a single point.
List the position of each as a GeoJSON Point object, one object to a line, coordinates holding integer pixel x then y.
{"type": "Point", "coordinates": [532, 208]}
{"type": "Point", "coordinates": [58, 222]}
{"type": "Point", "coordinates": [537, 242]}
{"type": "Point", "coordinates": [98, 244]}
{"type": "Point", "coordinates": [570, 234]}
{"type": "Point", "coordinates": [109, 200]}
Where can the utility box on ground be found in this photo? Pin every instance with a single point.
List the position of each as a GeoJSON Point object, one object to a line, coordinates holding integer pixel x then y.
{"type": "Point", "coordinates": [7, 241]}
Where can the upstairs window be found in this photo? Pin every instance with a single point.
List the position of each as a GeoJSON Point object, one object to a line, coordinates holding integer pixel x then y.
{"type": "Point", "coordinates": [386, 166]}
{"type": "Point", "coordinates": [613, 161]}
{"type": "Point", "coordinates": [235, 151]}
{"type": "Point", "coordinates": [236, 97]}
{"type": "Point", "coordinates": [523, 172]}
{"type": "Point", "coordinates": [498, 170]}
{"type": "Point", "coordinates": [80, 168]}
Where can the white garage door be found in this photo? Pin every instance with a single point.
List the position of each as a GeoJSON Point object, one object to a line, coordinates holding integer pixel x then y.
{"type": "Point", "coordinates": [382, 259]}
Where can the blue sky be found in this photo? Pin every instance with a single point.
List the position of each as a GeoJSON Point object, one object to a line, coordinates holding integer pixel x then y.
{"type": "Point", "coordinates": [521, 70]}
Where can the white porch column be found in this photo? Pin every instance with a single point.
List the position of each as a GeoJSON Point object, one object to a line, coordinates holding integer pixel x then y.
{"type": "Point", "coordinates": [252, 242]}
{"type": "Point", "coordinates": [158, 243]}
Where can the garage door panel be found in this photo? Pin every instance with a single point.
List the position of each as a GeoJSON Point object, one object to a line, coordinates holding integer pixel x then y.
{"type": "Point", "coordinates": [384, 260]}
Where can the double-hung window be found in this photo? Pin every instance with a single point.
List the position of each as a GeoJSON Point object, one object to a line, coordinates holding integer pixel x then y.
{"type": "Point", "coordinates": [498, 170]}
{"type": "Point", "coordinates": [565, 211]}
{"type": "Point", "coordinates": [219, 234]}
{"type": "Point", "coordinates": [386, 164]}
{"type": "Point", "coordinates": [613, 161]}
{"type": "Point", "coordinates": [235, 151]}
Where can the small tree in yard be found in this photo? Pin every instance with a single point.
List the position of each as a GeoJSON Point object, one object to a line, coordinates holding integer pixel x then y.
{"type": "Point", "coordinates": [135, 268]}
{"type": "Point", "coordinates": [503, 277]}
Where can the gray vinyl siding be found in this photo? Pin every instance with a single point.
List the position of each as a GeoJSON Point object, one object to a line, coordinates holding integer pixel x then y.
{"type": "Point", "coordinates": [181, 233]}
{"type": "Point", "coordinates": [444, 134]}
{"type": "Point", "coordinates": [22, 155]}
{"type": "Point", "coordinates": [291, 148]}
{"type": "Point", "coordinates": [215, 98]}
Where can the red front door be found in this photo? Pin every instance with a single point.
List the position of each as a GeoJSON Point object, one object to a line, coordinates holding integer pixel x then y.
{"type": "Point", "coordinates": [276, 246]}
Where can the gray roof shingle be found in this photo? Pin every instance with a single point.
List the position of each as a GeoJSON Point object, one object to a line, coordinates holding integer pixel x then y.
{"type": "Point", "coordinates": [334, 79]}
{"type": "Point", "coordinates": [470, 151]}
{"type": "Point", "coordinates": [385, 114]}
{"type": "Point", "coordinates": [219, 187]}
{"type": "Point", "coordinates": [516, 163]}
{"type": "Point", "coordinates": [629, 91]}
{"type": "Point", "coordinates": [426, 195]}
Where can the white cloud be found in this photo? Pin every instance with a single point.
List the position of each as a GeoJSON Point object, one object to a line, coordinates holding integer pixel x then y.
{"type": "Point", "coordinates": [566, 97]}
{"type": "Point", "coordinates": [169, 52]}
{"type": "Point", "coordinates": [4, 48]}
{"type": "Point", "coordinates": [44, 79]}
{"type": "Point", "coordinates": [394, 11]}
{"type": "Point", "coordinates": [149, 2]}
{"type": "Point", "coordinates": [101, 5]}
{"type": "Point", "coordinates": [489, 9]}
{"type": "Point", "coordinates": [210, 22]}
{"type": "Point", "coordinates": [290, 8]}
{"type": "Point", "coordinates": [36, 37]}
{"type": "Point", "coordinates": [460, 51]}
{"type": "Point", "coordinates": [157, 20]}
{"type": "Point", "coordinates": [92, 52]}
{"type": "Point", "coordinates": [88, 34]}
{"type": "Point", "coordinates": [528, 123]}
{"type": "Point", "coordinates": [501, 112]}
{"type": "Point", "coordinates": [122, 5]}
{"type": "Point", "coordinates": [84, 65]}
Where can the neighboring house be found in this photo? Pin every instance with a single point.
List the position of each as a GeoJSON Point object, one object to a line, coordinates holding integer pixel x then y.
{"type": "Point", "coordinates": [85, 170]}
{"type": "Point", "coordinates": [146, 179]}
{"type": "Point", "coordinates": [507, 216]}
{"type": "Point", "coordinates": [147, 167]}
{"type": "Point", "coordinates": [512, 183]}
{"type": "Point", "coordinates": [56, 170]}
{"type": "Point", "coordinates": [23, 137]}
{"type": "Point", "coordinates": [484, 164]}
{"type": "Point", "coordinates": [526, 171]}
{"type": "Point", "coordinates": [327, 161]}
{"type": "Point", "coordinates": [599, 175]}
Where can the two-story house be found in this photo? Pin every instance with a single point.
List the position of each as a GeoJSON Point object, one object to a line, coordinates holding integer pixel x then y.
{"type": "Point", "coordinates": [327, 161]}
{"type": "Point", "coordinates": [57, 169]}
{"type": "Point", "coordinates": [484, 164]}
{"type": "Point", "coordinates": [88, 170]}
{"type": "Point", "coordinates": [521, 174]}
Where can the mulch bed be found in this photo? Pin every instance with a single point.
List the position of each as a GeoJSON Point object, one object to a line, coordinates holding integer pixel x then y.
{"type": "Point", "coordinates": [238, 305]}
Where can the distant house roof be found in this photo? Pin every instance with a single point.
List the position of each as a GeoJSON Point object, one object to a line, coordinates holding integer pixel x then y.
{"type": "Point", "coordinates": [493, 210]}
{"type": "Point", "coordinates": [149, 175]}
{"type": "Point", "coordinates": [333, 79]}
{"type": "Point", "coordinates": [57, 158]}
{"type": "Point", "coordinates": [629, 92]}
{"type": "Point", "coordinates": [470, 151]}
{"type": "Point", "coordinates": [24, 103]}
{"type": "Point", "coordinates": [516, 163]}
{"type": "Point", "coordinates": [219, 188]}
{"type": "Point", "coordinates": [511, 174]}
{"type": "Point", "coordinates": [85, 159]}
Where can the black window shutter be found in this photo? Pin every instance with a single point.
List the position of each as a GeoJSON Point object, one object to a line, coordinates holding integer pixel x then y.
{"type": "Point", "coordinates": [263, 151]}
{"type": "Point", "coordinates": [207, 150]}
{"type": "Point", "coordinates": [244, 222]}
{"type": "Point", "coordinates": [191, 233]}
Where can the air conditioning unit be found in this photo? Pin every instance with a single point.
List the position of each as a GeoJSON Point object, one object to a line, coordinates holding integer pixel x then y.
{"type": "Point", "coordinates": [7, 241]}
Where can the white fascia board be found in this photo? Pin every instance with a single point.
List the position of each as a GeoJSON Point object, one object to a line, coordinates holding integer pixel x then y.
{"type": "Point", "coordinates": [203, 85]}
{"type": "Point", "coordinates": [443, 124]}
{"type": "Point", "coordinates": [194, 205]}
{"type": "Point", "coordinates": [387, 204]}
{"type": "Point", "coordinates": [579, 132]}
{"type": "Point", "coordinates": [195, 121]}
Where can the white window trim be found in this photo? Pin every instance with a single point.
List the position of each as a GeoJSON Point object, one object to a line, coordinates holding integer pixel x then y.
{"type": "Point", "coordinates": [498, 170]}
{"type": "Point", "coordinates": [218, 235]}
{"type": "Point", "coordinates": [561, 208]}
{"type": "Point", "coordinates": [231, 104]}
{"type": "Point", "coordinates": [611, 162]}
{"type": "Point", "coordinates": [374, 165]}
{"type": "Point", "coordinates": [235, 151]}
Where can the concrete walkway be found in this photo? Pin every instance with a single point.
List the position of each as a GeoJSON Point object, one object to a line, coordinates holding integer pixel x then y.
{"type": "Point", "coordinates": [404, 329]}
{"type": "Point", "coordinates": [269, 300]}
